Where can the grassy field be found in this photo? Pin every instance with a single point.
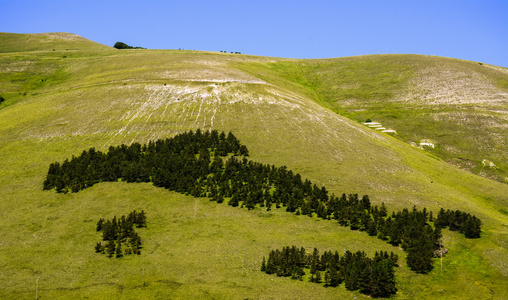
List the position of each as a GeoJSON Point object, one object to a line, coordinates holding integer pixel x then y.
{"type": "Point", "coordinates": [194, 247]}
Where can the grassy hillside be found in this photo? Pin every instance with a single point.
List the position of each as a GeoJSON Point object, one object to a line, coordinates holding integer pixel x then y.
{"type": "Point", "coordinates": [30, 62]}
{"type": "Point", "coordinates": [460, 107]}
{"type": "Point", "coordinates": [193, 247]}
{"type": "Point", "coordinates": [51, 41]}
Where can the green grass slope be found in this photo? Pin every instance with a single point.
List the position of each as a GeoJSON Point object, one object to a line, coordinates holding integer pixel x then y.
{"type": "Point", "coordinates": [194, 247]}
{"type": "Point", "coordinates": [29, 62]}
{"type": "Point", "coordinates": [460, 107]}
{"type": "Point", "coordinates": [50, 41]}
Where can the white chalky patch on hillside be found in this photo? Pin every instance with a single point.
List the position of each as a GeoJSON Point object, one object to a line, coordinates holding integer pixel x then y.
{"type": "Point", "coordinates": [137, 112]}
{"type": "Point", "coordinates": [57, 36]}
{"type": "Point", "coordinates": [442, 86]}
{"type": "Point", "coordinates": [214, 74]}
{"type": "Point", "coordinates": [197, 104]}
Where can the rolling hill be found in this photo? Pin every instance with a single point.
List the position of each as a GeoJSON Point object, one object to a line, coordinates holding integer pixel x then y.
{"type": "Point", "coordinates": [50, 41]}
{"type": "Point", "coordinates": [305, 114]}
{"type": "Point", "coordinates": [454, 109]}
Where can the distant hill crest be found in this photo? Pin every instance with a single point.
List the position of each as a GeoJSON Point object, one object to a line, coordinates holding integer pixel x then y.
{"type": "Point", "coordinates": [47, 41]}
{"type": "Point", "coordinates": [58, 35]}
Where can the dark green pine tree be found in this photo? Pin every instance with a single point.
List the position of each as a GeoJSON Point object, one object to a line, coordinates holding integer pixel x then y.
{"type": "Point", "coordinates": [75, 186]}
{"type": "Point", "coordinates": [335, 279]}
{"type": "Point", "coordinates": [313, 270]}
{"type": "Point", "coordinates": [382, 230]}
{"type": "Point", "coordinates": [318, 278]}
{"type": "Point", "coordinates": [306, 209]}
{"type": "Point", "coordinates": [249, 202]}
{"type": "Point", "coordinates": [354, 222]}
{"type": "Point", "coordinates": [141, 220]}
{"type": "Point", "coordinates": [420, 251]}
{"type": "Point", "coordinates": [441, 219]}
{"type": "Point", "coordinates": [365, 202]}
{"type": "Point", "coordinates": [383, 279]}
{"type": "Point", "coordinates": [321, 211]}
{"type": "Point", "coordinates": [327, 278]}
{"type": "Point", "coordinates": [342, 217]}
{"type": "Point", "coordinates": [263, 265]}
{"type": "Point", "coordinates": [365, 276]}
{"type": "Point", "coordinates": [243, 150]}
{"type": "Point", "coordinates": [99, 248]}
{"type": "Point", "coordinates": [396, 233]}
{"type": "Point", "coordinates": [395, 259]}
{"type": "Point", "coordinates": [371, 230]}
{"type": "Point", "coordinates": [472, 227]}
{"type": "Point", "coordinates": [59, 184]}
{"type": "Point", "coordinates": [268, 200]}
{"type": "Point", "coordinates": [235, 200]}
{"type": "Point", "coordinates": [351, 278]}
{"type": "Point", "coordinates": [99, 224]}
{"type": "Point", "coordinates": [365, 221]}
{"type": "Point", "coordinates": [118, 250]}
{"type": "Point", "coordinates": [220, 198]}
{"type": "Point", "coordinates": [135, 243]}
{"type": "Point", "coordinates": [383, 212]}
{"type": "Point", "coordinates": [270, 267]}
{"type": "Point", "coordinates": [110, 248]}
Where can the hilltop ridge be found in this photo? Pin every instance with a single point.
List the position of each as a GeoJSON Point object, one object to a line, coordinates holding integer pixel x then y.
{"type": "Point", "coordinates": [48, 41]}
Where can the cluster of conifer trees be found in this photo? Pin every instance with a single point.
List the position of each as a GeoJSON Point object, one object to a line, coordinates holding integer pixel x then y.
{"type": "Point", "coordinates": [170, 162]}
{"type": "Point", "coordinates": [192, 163]}
{"type": "Point", "coordinates": [251, 184]}
{"type": "Point", "coordinates": [120, 231]}
{"type": "Point", "coordinates": [372, 276]}
{"type": "Point", "coordinates": [121, 45]}
{"type": "Point", "coordinates": [465, 223]}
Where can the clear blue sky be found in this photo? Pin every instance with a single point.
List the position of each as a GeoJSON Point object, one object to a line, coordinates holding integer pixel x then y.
{"type": "Point", "coordinates": [472, 30]}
